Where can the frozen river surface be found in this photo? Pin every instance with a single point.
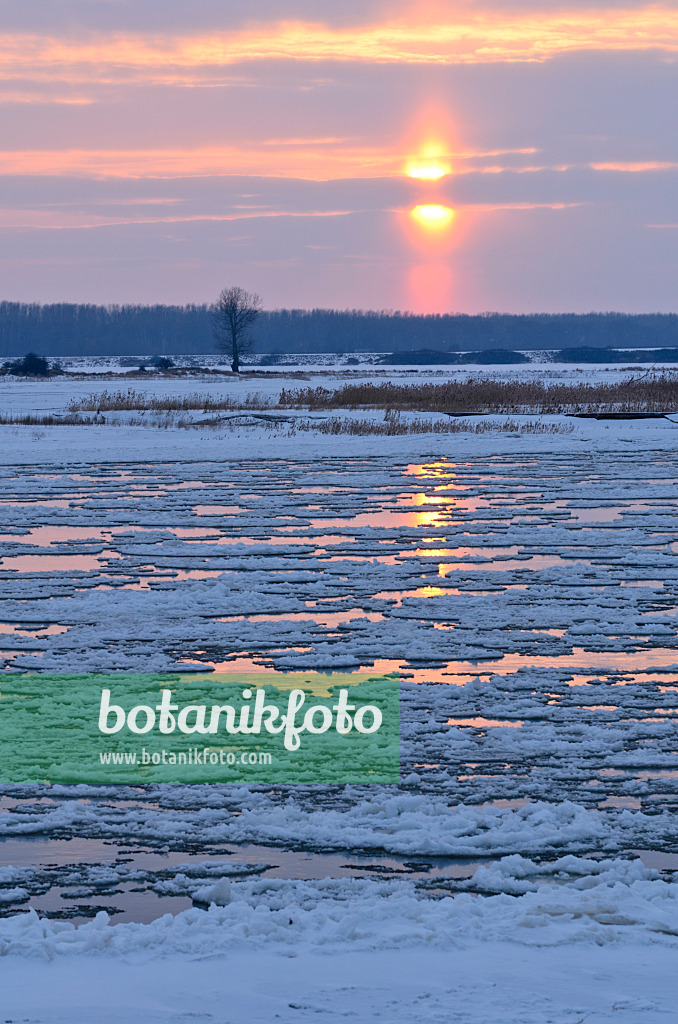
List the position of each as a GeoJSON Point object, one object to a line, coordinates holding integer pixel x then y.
{"type": "Point", "coordinates": [528, 603]}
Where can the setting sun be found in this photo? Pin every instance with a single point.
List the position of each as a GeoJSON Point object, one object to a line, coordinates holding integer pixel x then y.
{"type": "Point", "coordinates": [433, 215]}
{"type": "Point", "coordinates": [429, 170]}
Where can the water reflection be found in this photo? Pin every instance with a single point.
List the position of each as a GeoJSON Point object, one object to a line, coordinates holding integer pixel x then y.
{"type": "Point", "coordinates": [135, 885]}
{"type": "Point", "coordinates": [621, 668]}
{"type": "Point", "coordinates": [49, 563]}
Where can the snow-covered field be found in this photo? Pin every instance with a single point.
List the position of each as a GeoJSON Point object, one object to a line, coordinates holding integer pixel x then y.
{"type": "Point", "coordinates": [330, 362]}
{"type": "Point", "coordinates": [525, 586]}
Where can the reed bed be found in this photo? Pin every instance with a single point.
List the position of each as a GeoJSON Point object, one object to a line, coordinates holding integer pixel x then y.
{"type": "Point", "coordinates": [138, 401]}
{"type": "Point", "coordinates": [393, 427]}
{"type": "Point", "coordinates": [44, 420]}
{"type": "Point", "coordinates": [654, 393]}
{"type": "Point", "coordinates": [649, 393]}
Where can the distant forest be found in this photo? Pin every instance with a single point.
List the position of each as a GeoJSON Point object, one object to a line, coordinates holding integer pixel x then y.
{"type": "Point", "coordinates": [65, 329]}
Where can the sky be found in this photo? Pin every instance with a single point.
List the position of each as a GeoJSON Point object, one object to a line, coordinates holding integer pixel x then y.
{"type": "Point", "coordinates": [435, 156]}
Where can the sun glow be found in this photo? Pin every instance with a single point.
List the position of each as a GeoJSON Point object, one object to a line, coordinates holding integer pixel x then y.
{"type": "Point", "coordinates": [429, 290]}
{"type": "Point", "coordinates": [433, 216]}
{"type": "Point", "coordinates": [429, 170]}
{"type": "Point", "coordinates": [431, 162]}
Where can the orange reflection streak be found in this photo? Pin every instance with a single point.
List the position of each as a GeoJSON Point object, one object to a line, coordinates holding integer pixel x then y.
{"type": "Point", "coordinates": [443, 470]}
{"type": "Point", "coordinates": [426, 499]}
{"type": "Point", "coordinates": [461, 36]}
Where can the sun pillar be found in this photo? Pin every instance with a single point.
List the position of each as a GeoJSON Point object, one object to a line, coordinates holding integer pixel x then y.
{"type": "Point", "coordinates": [430, 224]}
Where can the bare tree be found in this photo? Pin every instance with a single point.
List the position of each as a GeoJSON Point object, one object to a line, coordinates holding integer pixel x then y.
{"type": "Point", "coordinates": [233, 315]}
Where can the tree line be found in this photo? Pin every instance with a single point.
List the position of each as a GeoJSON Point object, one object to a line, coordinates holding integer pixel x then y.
{"type": "Point", "coordinates": [62, 329]}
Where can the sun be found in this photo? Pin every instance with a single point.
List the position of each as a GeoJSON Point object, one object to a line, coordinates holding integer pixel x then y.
{"type": "Point", "coordinates": [433, 216]}
{"type": "Point", "coordinates": [431, 162]}
{"type": "Point", "coordinates": [428, 170]}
